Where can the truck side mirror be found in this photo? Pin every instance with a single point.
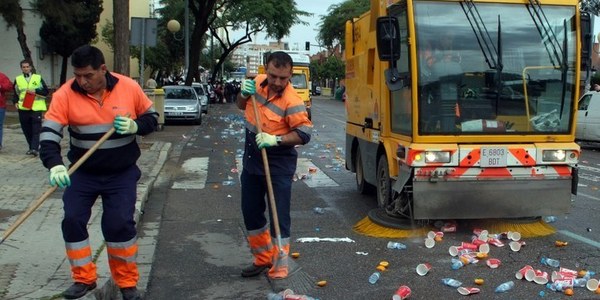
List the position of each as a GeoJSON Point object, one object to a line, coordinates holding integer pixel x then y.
{"type": "Point", "coordinates": [388, 38]}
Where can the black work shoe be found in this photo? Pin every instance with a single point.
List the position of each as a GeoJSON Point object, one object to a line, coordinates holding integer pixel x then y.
{"type": "Point", "coordinates": [35, 153]}
{"type": "Point", "coordinates": [130, 293]}
{"type": "Point", "coordinates": [253, 270]}
{"type": "Point", "coordinates": [78, 290]}
{"type": "Point", "coordinates": [29, 152]}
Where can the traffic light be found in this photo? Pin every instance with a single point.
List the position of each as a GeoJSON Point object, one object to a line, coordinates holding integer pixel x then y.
{"type": "Point", "coordinates": [307, 46]}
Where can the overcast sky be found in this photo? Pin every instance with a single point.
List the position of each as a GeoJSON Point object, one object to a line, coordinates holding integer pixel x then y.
{"type": "Point", "coordinates": [301, 34]}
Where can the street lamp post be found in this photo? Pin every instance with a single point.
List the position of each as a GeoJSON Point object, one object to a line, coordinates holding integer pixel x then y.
{"type": "Point", "coordinates": [173, 26]}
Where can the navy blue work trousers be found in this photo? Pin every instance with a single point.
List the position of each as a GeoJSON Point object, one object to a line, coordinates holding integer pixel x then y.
{"type": "Point", "coordinates": [255, 199]}
{"type": "Point", "coordinates": [31, 124]}
{"type": "Point", "coordinates": [118, 192]}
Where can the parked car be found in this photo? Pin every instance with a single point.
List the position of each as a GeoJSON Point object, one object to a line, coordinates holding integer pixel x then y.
{"type": "Point", "coordinates": [202, 95]}
{"type": "Point", "coordinates": [588, 117]}
{"type": "Point", "coordinates": [182, 103]}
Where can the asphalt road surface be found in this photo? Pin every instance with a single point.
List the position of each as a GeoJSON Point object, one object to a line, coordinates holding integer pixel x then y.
{"type": "Point", "coordinates": [201, 247]}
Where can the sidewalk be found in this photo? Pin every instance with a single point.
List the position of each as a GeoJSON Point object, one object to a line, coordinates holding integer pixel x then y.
{"type": "Point", "coordinates": [32, 259]}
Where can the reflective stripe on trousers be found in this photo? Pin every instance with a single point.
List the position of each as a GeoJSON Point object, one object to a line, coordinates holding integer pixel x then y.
{"type": "Point", "coordinates": [122, 261]}
{"type": "Point", "coordinates": [260, 246]}
{"type": "Point", "coordinates": [83, 268]}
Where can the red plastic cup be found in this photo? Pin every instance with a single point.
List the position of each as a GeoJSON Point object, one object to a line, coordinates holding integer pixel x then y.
{"type": "Point", "coordinates": [467, 290]}
{"type": "Point", "coordinates": [521, 273]}
{"type": "Point", "coordinates": [403, 292]}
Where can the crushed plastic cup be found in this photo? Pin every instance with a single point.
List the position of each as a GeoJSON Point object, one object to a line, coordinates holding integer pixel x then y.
{"type": "Point", "coordinates": [521, 273]}
{"type": "Point", "coordinates": [429, 243]}
{"type": "Point", "coordinates": [467, 290]}
{"type": "Point", "coordinates": [458, 250]}
{"type": "Point", "coordinates": [592, 284]}
{"type": "Point", "coordinates": [403, 292]}
{"type": "Point", "coordinates": [423, 269]}
{"type": "Point", "coordinates": [493, 263]}
{"type": "Point", "coordinates": [513, 235]}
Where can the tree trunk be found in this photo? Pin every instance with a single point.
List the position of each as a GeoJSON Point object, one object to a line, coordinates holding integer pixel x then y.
{"type": "Point", "coordinates": [121, 29]}
{"type": "Point", "coordinates": [63, 70]}
{"type": "Point", "coordinates": [22, 38]}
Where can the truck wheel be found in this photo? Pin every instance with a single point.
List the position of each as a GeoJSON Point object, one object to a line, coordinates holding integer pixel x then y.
{"type": "Point", "coordinates": [362, 186]}
{"type": "Point", "coordinates": [384, 186]}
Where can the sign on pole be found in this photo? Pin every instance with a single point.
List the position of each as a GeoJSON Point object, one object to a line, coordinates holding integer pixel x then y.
{"type": "Point", "coordinates": [143, 34]}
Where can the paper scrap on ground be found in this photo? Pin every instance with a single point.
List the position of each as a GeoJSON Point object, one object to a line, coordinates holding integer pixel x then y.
{"type": "Point", "coordinates": [362, 253]}
{"type": "Point", "coordinates": [316, 239]}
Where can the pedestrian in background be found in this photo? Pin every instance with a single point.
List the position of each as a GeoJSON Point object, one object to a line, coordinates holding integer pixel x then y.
{"type": "Point", "coordinates": [30, 114]}
{"type": "Point", "coordinates": [90, 105]}
{"type": "Point", "coordinates": [285, 124]}
{"type": "Point", "coordinates": [5, 86]}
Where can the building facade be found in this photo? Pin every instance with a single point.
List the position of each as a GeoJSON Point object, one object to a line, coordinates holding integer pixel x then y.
{"type": "Point", "coordinates": [47, 64]}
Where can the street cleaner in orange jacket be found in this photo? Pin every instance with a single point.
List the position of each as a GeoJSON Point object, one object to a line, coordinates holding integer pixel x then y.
{"type": "Point", "coordinates": [90, 105]}
{"type": "Point", "coordinates": [284, 124]}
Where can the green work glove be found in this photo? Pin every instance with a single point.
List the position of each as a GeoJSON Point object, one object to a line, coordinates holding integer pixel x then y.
{"type": "Point", "coordinates": [125, 125]}
{"type": "Point", "coordinates": [59, 176]}
{"type": "Point", "coordinates": [264, 140]}
{"type": "Point", "coordinates": [248, 88]}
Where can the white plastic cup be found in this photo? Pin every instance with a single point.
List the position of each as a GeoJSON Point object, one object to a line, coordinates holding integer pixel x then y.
{"type": "Point", "coordinates": [484, 248]}
{"type": "Point", "coordinates": [530, 274]}
{"type": "Point", "coordinates": [592, 284]}
{"type": "Point", "coordinates": [514, 246]}
{"type": "Point", "coordinates": [483, 235]}
{"type": "Point", "coordinates": [423, 269]}
{"type": "Point", "coordinates": [429, 243]}
{"type": "Point", "coordinates": [513, 235]}
{"type": "Point", "coordinates": [431, 235]}
{"type": "Point", "coordinates": [540, 279]}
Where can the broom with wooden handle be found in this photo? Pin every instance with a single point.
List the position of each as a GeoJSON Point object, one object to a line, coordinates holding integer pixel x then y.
{"type": "Point", "coordinates": [263, 151]}
{"type": "Point", "coordinates": [51, 190]}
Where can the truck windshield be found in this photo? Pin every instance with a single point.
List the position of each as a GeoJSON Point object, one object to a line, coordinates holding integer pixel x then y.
{"type": "Point", "coordinates": [299, 81]}
{"type": "Point", "coordinates": [459, 90]}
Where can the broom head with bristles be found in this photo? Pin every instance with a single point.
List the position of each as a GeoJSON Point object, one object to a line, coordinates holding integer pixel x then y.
{"type": "Point", "coordinates": [369, 228]}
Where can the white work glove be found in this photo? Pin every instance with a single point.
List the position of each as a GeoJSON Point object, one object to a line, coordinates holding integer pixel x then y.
{"type": "Point", "coordinates": [125, 125]}
{"type": "Point", "coordinates": [248, 88]}
{"type": "Point", "coordinates": [59, 176]}
{"type": "Point", "coordinates": [264, 140]}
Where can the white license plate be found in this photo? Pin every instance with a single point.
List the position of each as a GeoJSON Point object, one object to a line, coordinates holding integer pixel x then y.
{"type": "Point", "coordinates": [493, 156]}
{"type": "Point", "coordinates": [175, 114]}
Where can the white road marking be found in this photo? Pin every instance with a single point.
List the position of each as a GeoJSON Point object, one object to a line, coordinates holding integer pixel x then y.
{"type": "Point", "coordinates": [588, 196]}
{"type": "Point", "coordinates": [580, 238]}
{"type": "Point", "coordinates": [317, 179]}
{"type": "Point", "coordinates": [195, 172]}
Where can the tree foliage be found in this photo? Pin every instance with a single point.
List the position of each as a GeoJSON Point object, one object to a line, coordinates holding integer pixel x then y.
{"type": "Point", "coordinates": [333, 25]}
{"type": "Point", "coordinates": [12, 13]}
{"type": "Point", "coordinates": [67, 25]}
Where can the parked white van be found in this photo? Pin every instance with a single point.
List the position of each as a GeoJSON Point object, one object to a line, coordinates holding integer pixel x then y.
{"type": "Point", "coordinates": [588, 117]}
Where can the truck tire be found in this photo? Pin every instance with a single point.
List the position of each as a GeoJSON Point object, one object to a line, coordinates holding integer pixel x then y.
{"type": "Point", "coordinates": [362, 186]}
{"type": "Point", "coordinates": [384, 186]}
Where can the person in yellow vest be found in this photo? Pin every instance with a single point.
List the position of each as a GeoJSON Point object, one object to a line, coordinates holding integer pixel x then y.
{"type": "Point", "coordinates": [30, 113]}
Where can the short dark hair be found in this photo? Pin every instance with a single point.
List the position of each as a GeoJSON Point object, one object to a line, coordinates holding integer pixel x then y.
{"type": "Point", "coordinates": [87, 55]}
{"type": "Point", "coordinates": [280, 59]}
{"type": "Point", "coordinates": [26, 61]}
